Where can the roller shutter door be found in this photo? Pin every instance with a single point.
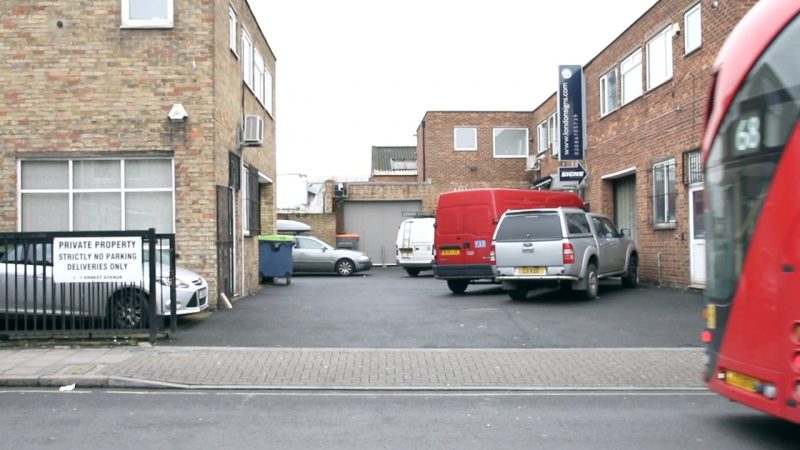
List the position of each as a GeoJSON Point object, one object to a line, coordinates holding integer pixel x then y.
{"type": "Point", "coordinates": [377, 223]}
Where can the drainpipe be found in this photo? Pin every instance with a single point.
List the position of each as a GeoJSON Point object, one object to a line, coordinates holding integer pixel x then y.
{"type": "Point", "coordinates": [658, 258]}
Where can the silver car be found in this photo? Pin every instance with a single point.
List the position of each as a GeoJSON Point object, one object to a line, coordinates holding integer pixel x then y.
{"type": "Point", "coordinates": [313, 255]}
{"type": "Point", "coordinates": [567, 246]}
{"type": "Point", "coordinates": [27, 287]}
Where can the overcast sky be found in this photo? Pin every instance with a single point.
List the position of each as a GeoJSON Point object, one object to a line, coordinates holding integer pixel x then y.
{"type": "Point", "coordinates": [352, 74]}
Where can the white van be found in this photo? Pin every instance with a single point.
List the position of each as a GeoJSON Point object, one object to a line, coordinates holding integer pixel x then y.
{"type": "Point", "coordinates": [415, 245]}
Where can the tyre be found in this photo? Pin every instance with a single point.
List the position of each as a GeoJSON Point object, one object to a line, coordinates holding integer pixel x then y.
{"type": "Point", "coordinates": [457, 286]}
{"type": "Point", "coordinates": [631, 277]}
{"type": "Point", "coordinates": [128, 310]}
{"type": "Point", "coordinates": [520, 292]}
{"type": "Point", "coordinates": [592, 283]}
{"type": "Point", "coordinates": [412, 272]}
{"type": "Point", "coordinates": [345, 267]}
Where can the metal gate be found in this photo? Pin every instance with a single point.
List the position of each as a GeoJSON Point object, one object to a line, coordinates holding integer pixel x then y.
{"type": "Point", "coordinates": [224, 241]}
{"type": "Point", "coordinates": [55, 284]}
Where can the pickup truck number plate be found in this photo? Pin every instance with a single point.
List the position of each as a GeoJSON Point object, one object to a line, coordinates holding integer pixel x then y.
{"type": "Point", "coordinates": [531, 271]}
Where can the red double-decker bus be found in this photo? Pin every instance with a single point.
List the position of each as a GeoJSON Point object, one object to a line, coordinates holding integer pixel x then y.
{"type": "Point", "coordinates": [751, 151]}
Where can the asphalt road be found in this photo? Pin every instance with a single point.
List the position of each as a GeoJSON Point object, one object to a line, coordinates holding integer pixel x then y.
{"type": "Point", "coordinates": [385, 308]}
{"type": "Point", "coordinates": [97, 419]}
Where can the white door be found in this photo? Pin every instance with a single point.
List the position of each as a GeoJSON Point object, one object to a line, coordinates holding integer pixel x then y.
{"type": "Point", "coordinates": [697, 239]}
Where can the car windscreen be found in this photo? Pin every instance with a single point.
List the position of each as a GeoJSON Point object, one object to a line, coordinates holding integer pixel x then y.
{"type": "Point", "coordinates": [528, 227]}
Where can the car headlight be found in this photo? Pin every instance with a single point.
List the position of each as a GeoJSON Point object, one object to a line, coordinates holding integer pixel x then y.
{"type": "Point", "coordinates": [167, 281]}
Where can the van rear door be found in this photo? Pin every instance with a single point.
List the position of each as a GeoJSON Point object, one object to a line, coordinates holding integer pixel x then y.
{"type": "Point", "coordinates": [463, 234]}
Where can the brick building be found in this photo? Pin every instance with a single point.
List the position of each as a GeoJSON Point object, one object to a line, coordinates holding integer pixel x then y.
{"type": "Point", "coordinates": [130, 115]}
{"type": "Point", "coordinates": [645, 97]}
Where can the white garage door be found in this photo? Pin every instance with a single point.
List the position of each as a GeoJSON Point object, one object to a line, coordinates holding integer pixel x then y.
{"type": "Point", "coordinates": [376, 223]}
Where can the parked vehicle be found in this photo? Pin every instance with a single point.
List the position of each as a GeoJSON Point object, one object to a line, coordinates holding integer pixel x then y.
{"type": "Point", "coordinates": [27, 287]}
{"type": "Point", "coordinates": [414, 245]}
{"type": "Point", "coordinates": [465, 224]}
{"type": "Point", "coordinates": [313, 255]}
{"type": "Point", "coordinates": [567, 246]}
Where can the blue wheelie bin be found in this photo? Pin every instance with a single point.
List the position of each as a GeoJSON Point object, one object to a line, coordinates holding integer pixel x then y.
{"type": "Point", "coordinates": [275, 257]}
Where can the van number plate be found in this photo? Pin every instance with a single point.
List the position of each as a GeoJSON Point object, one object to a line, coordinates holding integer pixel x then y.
{"type": "Point", "coordinates": [451, 251]}
{"type": "Point", "coordinates": [531, 271]}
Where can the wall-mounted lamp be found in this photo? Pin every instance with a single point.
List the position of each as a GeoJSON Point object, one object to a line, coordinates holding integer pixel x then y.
{"type": "Point", "coordinates": [676, 29]}
{"type": "Point", "coordinates": [177, 114]}
{"type": "Point", "coordinates": [715, 4]}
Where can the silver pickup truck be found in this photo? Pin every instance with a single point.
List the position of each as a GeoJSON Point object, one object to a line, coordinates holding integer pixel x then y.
{"type": "Point", "coordinates": [564, 246]}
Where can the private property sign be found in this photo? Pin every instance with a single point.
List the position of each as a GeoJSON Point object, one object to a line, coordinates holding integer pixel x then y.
{"type": "Point", "coordinates": [97, 259]}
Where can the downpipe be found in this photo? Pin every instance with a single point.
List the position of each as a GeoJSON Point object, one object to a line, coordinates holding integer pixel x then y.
{"type": "Point", "coordinates": [658, 259]}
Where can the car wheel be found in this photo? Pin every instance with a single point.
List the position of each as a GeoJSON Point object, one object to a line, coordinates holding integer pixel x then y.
{"type": "Point", "coordinates": [412, 272]}
{"type": "Point", "coordinates": [592, 283]}
{"type": "Point", "coordinates": [128, 310]}
{"type": "Point", "coordinates": [631, 277]}
{"type": "Point", "coordinates": [520, 292]}
{"type": "Point", "coordinates": [458, 286]}
{"type": "Point", "coordinates": [345, 267]}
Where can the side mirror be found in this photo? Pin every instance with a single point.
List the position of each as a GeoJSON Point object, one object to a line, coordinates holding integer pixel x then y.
{"type": "Point", "coordinates": [625, 232]}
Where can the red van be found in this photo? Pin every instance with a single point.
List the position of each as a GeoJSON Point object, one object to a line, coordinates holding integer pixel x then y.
{"type": "Point", "coordinates": [465, 223]}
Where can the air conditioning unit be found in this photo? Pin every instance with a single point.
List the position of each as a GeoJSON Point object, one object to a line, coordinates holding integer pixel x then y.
{"type": "Point", "coordinates": [253, 130]}
{"type": "Point", "coordinates": [340, 191]}
{"type": "Point", "coordinates": [533, 163]}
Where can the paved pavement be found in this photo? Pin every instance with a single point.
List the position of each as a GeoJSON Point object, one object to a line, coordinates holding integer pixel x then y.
{"type": "Point", "coordinates": [354, 369]}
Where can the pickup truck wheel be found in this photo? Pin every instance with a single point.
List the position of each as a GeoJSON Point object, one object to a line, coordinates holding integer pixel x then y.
{"type": "Point", "coordinates": [631, 277]}
{"type": "Point", "coordinates": [457, 286]}
{"type": "Point", "coordinates": [519, 292]}
{"type": "Point", "coordinates": [592, 283]}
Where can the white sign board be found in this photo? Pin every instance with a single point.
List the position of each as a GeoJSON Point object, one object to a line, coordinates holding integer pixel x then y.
{"type": "Point", "coordinates": [97, 259]}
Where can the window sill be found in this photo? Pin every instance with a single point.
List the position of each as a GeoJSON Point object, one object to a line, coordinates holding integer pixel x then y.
{"type": "Point", "coordinates": [665, 226]}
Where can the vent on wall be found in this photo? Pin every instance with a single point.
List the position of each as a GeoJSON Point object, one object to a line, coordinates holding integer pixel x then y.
{"type": "Point", "coordinates": [253, 130]}
{"type": "Point", "coordinates": [533, 163]}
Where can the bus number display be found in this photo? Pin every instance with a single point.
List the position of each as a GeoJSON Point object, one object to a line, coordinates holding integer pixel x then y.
{"type": "Point", "coordinates": [748, 133]}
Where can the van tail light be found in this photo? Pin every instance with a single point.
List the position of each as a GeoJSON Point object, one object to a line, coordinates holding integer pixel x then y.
{"type": "Point", "coordinates": [568, 252]}
{"type": "Point", "coordinates": [492, 256]}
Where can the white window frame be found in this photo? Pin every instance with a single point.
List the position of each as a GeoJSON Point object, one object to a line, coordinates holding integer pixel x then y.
{"type": "Point", "coordinates": [546, 135]}
{"type": "Point", "coordinates": [233, 27]}
{"type": "Point", "coordinates": [127, 22]}
{"type": "Point", "coordinates": [670, 185]}
{"type": "Point", "coordinates": [245, 192]}
{"type": "Point", "coordinates": [631, 67]}
{"type": "Point", "coordinates": [496, 131]}
{"type": "Point", "coordinates": [693, 29]}
{"type": "Point", "coordinates": [71, 191]}
{"type": "Point", "coordinates": [474, 139]}
{"type": "Point", "coordinates": [555, 144]}
{"type": "Point", "coordinates": [267, 101]}
{"type": "Point", "coordinates": [606, 96]}
{"type": "Point", "coordinates": [659, 48]}
{"type": "Point", "coordinates": [247, 59]}
{"type": "Point", "coordinates": [542, 137]}
{"type": "Point", "coordinates": [258, 76]}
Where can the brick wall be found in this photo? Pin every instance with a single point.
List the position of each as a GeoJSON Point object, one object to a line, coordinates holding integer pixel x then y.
{"type": "Point", "coordinates": [75, 84]}
{"type": "Point", "coordinates": [445, 166]}
{"type": "Point", "coordinates": [322, 226]}
{"type": "Point", "coordinates": [664, 123]}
